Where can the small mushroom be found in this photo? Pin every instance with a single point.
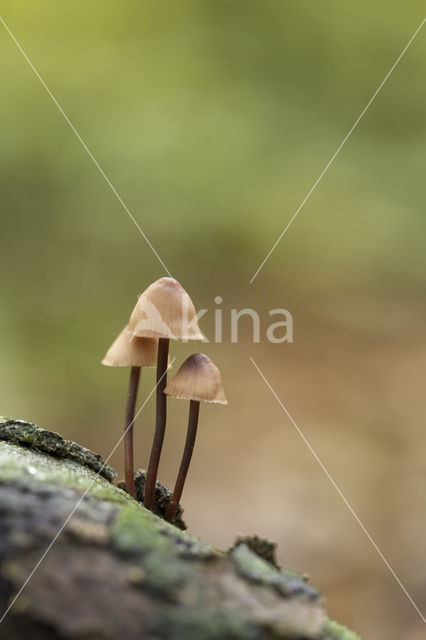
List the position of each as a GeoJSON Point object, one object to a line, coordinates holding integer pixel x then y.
{"type": "Point", "coordinates": [197, 380]}
{"type": "Point", "coordinates": [164, 311]}
{"type": "Point", "coordinates": [127, 351]}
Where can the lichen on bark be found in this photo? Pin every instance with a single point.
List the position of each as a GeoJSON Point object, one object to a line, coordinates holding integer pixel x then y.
{"type": "Point", "coordinates": [29, 435]}
{"type": "Point", "coordinates": [118, 570]}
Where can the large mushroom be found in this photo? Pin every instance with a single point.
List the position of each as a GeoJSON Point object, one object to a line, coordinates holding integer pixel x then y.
{"type": "Point", "coordinates": [197, 380]}
{"type": "Point", "coordinates": [128, 351]}
{"type": "Point", "coordinates": [164, 311]}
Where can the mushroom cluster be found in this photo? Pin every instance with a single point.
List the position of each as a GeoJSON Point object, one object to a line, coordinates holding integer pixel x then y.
{"type": "Point", "coordinates": [162, 313]}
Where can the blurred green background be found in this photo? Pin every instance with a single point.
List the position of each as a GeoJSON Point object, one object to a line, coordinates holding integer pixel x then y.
{"type": "Point", "coordinates": [213, 120]}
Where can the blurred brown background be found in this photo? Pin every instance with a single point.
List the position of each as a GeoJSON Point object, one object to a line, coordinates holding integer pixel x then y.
{"type": "Point", "coordinates": [212, 120]}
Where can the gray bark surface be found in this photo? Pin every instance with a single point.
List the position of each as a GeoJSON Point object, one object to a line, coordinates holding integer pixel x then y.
{"type": "Point", "coordinates": [120, 571]}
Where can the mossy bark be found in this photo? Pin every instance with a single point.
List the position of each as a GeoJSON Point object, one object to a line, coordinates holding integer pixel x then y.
{"type": "Point", "coordinates": [119, 571]}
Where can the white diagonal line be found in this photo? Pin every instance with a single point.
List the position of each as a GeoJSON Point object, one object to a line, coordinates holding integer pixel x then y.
{"type": "Point", "coordinates": [64, 524]}
{"type": "Point", "coordinates": [86, 148]}
{"type": "Point", "coordinates": [318, 180]}
{"type": "Point", "coordinates": [339, 491]}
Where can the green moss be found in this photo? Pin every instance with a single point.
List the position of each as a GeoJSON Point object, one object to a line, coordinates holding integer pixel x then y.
{"type": "Point", "coordinates": [194, 624]}
{"type": "Point", "coordinates": [335, 631]}
{"type": "Point", "coordinates": [134, 532]}
{"type": "Point", "coordinates": [137, 533]}
{"type": "Point", "coordinates": [254, 569]}
{"type": "Point", "coordinates": [165, 576]}
{"type": "Point", "coordinates": [153, 551]}
{"type": "Point", "coordinates": [29, 435]}
{"type": "Point", "coordinates": [24, 467]}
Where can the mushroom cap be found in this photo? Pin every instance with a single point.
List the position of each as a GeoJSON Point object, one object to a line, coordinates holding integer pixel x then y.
{"type": "Point", "coordinates": [197, 379]}
{"type": "Point", "coordinates": [165, 310]}
{"type": "Point", "coordinates": [129, 351]}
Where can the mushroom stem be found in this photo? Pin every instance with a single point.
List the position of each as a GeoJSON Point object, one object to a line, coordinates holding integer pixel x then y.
{"type": "Point", "coordinates": [194, 408]}
{"type": "Point", "coordinates": [160, 422]}
{"type": "Point", "coordinates": [128, 430]}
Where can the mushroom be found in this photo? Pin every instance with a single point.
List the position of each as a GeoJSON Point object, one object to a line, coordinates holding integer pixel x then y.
{"type": "Point", "coordinates": [164, 311]}
{"type": "Point", "coordinates": [197, 380]}
{"type": "Point", "coordinates": [127, 351]}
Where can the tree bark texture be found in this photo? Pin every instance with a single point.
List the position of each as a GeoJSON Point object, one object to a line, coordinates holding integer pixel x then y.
{"type": "Point", "coordinates": [117, 570]}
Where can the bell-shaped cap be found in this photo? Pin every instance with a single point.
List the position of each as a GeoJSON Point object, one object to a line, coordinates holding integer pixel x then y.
{"type": "Point", "coordinates": [197, 379]}
{"type": "Point", "coordinates": [165, 310]}
{"type": "Point", "coordinates": [128, 351]}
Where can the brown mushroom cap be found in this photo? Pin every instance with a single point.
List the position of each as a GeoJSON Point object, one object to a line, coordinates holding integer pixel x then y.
{"type": "Point", "coordinates": [129, 351]}
{"type": "Point", "coordinates": [197, 379]}
{"type": "Point", "coordinates": [165, 310]}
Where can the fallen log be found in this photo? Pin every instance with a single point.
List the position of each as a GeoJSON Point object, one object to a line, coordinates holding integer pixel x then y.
{"type": "Point", "coordinates": [117, 570]}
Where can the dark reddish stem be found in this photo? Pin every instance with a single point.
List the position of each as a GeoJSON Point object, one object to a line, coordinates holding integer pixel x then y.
{"type": "Point", "coordinates": [128, 431]}
{"type": "Point", "coordinates": [194, 409]}
{"type": "Point", "coordinates": [160, 422]}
